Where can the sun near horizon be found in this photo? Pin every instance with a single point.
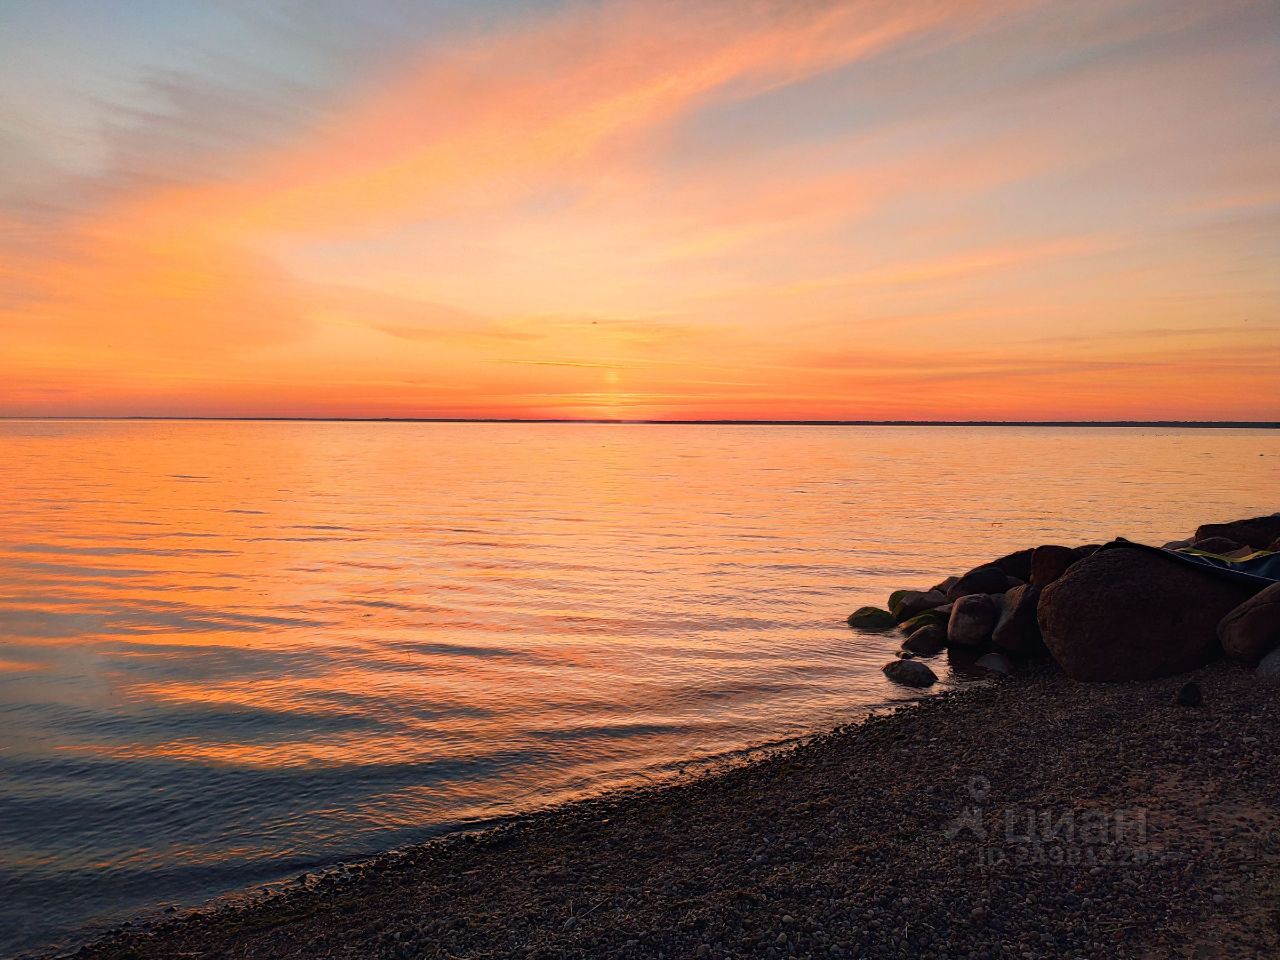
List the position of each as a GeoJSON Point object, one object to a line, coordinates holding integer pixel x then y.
{"type": "Point", "coordinates": [624, 210]}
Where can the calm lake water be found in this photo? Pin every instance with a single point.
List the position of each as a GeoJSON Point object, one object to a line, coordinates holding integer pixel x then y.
{"type": "Point", "coordinates": [233, 651]}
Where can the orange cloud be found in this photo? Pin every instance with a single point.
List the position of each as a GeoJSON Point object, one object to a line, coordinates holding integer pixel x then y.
{"type": "Point", "coordinates": [524, 222]}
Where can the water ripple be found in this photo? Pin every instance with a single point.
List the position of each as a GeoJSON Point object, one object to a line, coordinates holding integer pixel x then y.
{"type": "Point", "coordinates": [232, 651]}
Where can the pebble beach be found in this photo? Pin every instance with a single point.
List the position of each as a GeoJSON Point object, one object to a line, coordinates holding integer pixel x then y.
{"type": "Point", "coordinates": [1031, 817]}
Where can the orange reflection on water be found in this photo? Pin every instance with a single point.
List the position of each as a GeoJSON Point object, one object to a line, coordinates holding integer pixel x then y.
{"type": "Point", "coordinates": [331, 637]}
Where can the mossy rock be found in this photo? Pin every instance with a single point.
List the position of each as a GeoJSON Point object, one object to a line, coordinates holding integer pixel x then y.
{"type": "Point", "coordinates": [871, 618]}
{"type": "Point", "coordinates": [915, 623]}
{"type": "Point", "coordinates": [895, 598]}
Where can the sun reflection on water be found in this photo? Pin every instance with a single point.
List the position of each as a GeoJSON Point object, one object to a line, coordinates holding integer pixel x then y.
{"type": "Point", "coordinates": [232, 650]}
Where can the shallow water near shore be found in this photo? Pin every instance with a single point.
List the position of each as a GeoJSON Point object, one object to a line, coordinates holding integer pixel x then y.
{"type": "Point", "coordinates": [233, 651]}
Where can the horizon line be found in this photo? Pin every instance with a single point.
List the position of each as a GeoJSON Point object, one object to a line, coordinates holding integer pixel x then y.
{"type": "Point", "coordinates": [1203, 424]}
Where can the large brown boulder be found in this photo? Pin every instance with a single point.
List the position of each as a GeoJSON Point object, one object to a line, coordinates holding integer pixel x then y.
{"type": "Point", "coordinates": [987, 578]}
{"type": "Point", "coordinates": [972, 620]}
{"type": "Point", "coordinates": [1049, 562]}
{"type": "Point", "coordinates": [1017, 631]}
{"type": "Point", "coordinates": [1256, 532]}
{"type": "Point", "coordinates": [1016, 565]}
{"type": "Point", "coordinates": [1128, 613]}
{"type": "Point", "coordinates": [1252, 630]}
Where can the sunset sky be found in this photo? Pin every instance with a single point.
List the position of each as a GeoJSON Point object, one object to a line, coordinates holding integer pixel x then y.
{"type": "Point", "coordinates": [800, 209]}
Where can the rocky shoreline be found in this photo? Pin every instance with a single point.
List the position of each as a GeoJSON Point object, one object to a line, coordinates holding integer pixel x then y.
{"type": "Point", "coordinates": [1035, 816]}
{"type": "Point", "coordinates": [1102, 612]}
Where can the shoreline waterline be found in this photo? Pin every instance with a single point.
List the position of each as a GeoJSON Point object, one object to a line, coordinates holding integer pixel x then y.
{"type": "Point", "coordinates": [644, 783]}
{"type": "Point", "coordinates": [838, 833]}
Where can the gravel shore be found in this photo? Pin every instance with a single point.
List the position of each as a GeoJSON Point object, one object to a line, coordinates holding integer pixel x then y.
{"type": "Point", "coordinates": [1154, 832]}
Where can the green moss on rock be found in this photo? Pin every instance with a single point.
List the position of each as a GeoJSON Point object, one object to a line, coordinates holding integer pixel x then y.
{"type": "Point", "coordinates": [871, 618]}
{"type": "Point", "coordinates": [915, 623]}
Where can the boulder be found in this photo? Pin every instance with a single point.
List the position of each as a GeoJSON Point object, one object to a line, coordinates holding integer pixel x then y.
{"type": "Point", "coordinates": [1218, 545]}
{"type": "Point", "coordinates": [972, 620]}
{"type": "Point", "coordinates": [1252, 630]}
{"type": "Point", "coordinates": [1256, 532]}
{"type": "Point", "coordinates": [940, 616]}
{"type": "Point", "coordinates": [1016, 565]}
{"type": "Point", "coordinates": [928, 641]}
{"type": "Point", "coordinates": [1049, 562]}
{"type": "Point", "coordinates": [912, 603]}
{"type": "Point", "coordinates": [910, 673]}
{"type": "Point", "coordinates": [1128, 613]}
{"type": "Point", "coordinates": [871, 618]}
{"type": "Point", "coordinates": [1269, 666]}
{"type": "Point", "coordinates": [985, 579]}
{"type": "Point", "coordinates": [1017, 631]}
{"type": "Point", "coordinates": [995, 662]}
{"type": "Point", "coordinates": [945, 586]}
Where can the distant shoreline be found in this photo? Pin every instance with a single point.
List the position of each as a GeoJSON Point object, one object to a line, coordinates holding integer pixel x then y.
{"type": "Point", "coordinates": [1189, 424]}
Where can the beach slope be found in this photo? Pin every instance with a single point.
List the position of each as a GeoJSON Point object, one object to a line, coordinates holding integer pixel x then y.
{"type": "Point", "coordinates": [1037, 817]}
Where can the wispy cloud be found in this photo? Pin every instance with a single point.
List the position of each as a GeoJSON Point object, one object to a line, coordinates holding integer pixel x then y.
{"type": "Point", "coordinates": [697, 208]}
